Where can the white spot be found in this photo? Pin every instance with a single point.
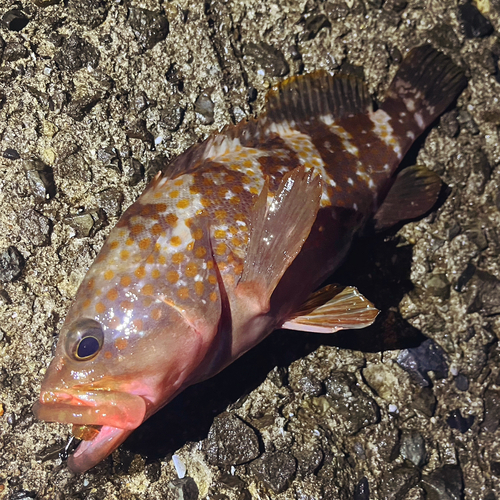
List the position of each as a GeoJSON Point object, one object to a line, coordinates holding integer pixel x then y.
{"type": "Point", "coordinates": [180, 468]}
{"type": "Point", "coordinates": [327, 120]}
{"type": "Point", "coordinates": [410, 104]}
{"type": "Point", "coordinates": [410, 135]}
{"type": "Point", "coordinates": [371, 184]}
{"type": "Point", "coordinates": [350, 181]}
{"type": "Point", "coordinates": [393, 409]}
{"type": "Point", "coordinates": [355, 206]}
{"type": "Point", "coordinates": [386, 167]}
{"type": "Point", "coordinates": [383, 129]}
{"type": "Point", "coordinates": [158, 140]}
{"type": "Point", "coordinates": [419, 120]}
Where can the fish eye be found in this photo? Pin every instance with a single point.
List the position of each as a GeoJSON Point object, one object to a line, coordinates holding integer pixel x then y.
{"type": "Point", "coordinates": [85, 339]}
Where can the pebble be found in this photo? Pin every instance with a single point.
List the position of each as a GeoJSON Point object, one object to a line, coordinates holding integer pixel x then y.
{"type": "Point", "coordinates": [417, 361]}
{"type": "Point", "coordinates": [339, 10]}
{"type": "Point", "coordinates": [472, 23]}
{"type": "Point", "coordinates": [449, 123]}
{"type": "Point", "coordinates": [36, 228]}
{"type": "Point", "coordinates": [180, 466]}
{"type": "Point", "coordinates": [76, 53]}
{"type": "Point", "coordinates": [383, 379]}
{"type": "Point", "coordinates": [89, 13]}
{"type": "Point", "coordinates": [269, 58]}
{"type": "Point", "coordinates": [465, 277]}
{"type": "Point", "coordinates": [438, 286]}
{"type": "Point", "coordinates": [362, 490]}
{"type": "Point", "coordinates": [141, 102]}
{"type": "Point", "coordinates": [139, 130]}
{"type": "Point", "coordinates": [149, 27]}
{"type": "Point", "coordinates": [40, 179]}
{"type": "Point", "coordinates": [396, 483]}
{"type": "Point", "coordinates": [15, 20]}
{"type": "Point", "coordinates": [79, 108]}
{"type": "Point", "coordinates": [11, 264]}
{"type": "Point", "coordinates": [313, 25]}
{"type": "Point", "coordinates": [412, 448]}
{"type": "Point", "coordinates": [86, 224]}
{"type": "Point", "coordinates": [231, 441]}
{"type": "Point", "coordinates": [491, 410]}
{"type": "Point", "coordinates": [183, 489]}
{"type": "Point", "coordinates": [456, 421]}
{"type": "Point", "coordinates": [110, 200]}
{"type": "Point", "coordinates": [445, 483]}
{"type": "Point", "coordinates": [11, 154]}
{"type": "Point", "coordinates": [485, 294]}
{"type": "Point", "coordinates": [276, 470]}
{"type": "Point", "coordinates": [347, 399]}
{"type": "Point", "coordinates": [134, 170]}
{"type": "Point", "coordinates": [14, 51]}
{"type": "Point", "coordinates": [461, 382]}
{"type": "Point", "coordinates": [171, 116]}
{"type": "Point", "coordinates": [204, 108]}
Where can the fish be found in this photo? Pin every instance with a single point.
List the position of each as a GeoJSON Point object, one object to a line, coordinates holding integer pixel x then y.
{"type": "Point", "coordinates": [234, 238]}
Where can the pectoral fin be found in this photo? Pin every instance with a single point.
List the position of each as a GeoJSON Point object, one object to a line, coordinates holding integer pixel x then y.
{"type": "Point", "coordinates": [333, 308]}
{"type": "Point", "coordinates": [278, 231]}
{"type": "Point", "coordinates": [414, 192]}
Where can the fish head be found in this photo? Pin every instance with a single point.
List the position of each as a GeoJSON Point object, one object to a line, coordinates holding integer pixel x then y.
{"type": "Point", "coordinates": [126, 348]}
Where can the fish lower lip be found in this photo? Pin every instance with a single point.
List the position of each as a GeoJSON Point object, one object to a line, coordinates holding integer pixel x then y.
{"type": "Point", "coordinates": [112, 408]}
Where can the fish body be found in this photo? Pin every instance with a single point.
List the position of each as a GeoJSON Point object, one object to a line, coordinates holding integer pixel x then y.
{"type": "Point", "coordinates": [230, 242]}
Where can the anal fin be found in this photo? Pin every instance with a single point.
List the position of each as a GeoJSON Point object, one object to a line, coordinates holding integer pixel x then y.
{"type": "Point", "coordinates": [278, 231]}
{"type": "Point", "coordinates": [413, 193]}
{"type": "Point", "coordinates": [331, 309]}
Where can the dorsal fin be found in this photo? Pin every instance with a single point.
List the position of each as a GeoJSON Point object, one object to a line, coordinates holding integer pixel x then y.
{"type": "Point", "coordinates": [303, 98]}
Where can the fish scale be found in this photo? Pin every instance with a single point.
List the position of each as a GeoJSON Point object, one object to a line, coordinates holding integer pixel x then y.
{"type": "Point", "coordinates": [232, 240]}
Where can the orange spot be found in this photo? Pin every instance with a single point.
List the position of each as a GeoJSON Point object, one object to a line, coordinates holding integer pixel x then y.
{"type": "Point", "coordinates": [147, 210]}
{"type": "Point", "coordinates": [100, 308]}
{"type": "Point", "coordinates": [200, 252]}
{"type": "Point", "coordinates": [90, 283]}
{"type": "Point", "coordinates": [157, 247]}
{"type": "Point", "coordinates": [246, 180]}
{"type": "Point", "coordinates": [160, 207]}
{"type": "Point", "coordinates": [112, 294]}
{"type": "Point", "coordinates": [254, 190]}
{"type": "Point", "coordinates": [147, 301]}
{"type": "Point", "coordinates": [156, 230]}
{"type": "Point", "coordinates": [114, 244]}
{"type": "Point", "coordinates": [125, 281]}
{"type": "Point", "coordinates": [207, 181]}
{"type": "Point", "coordinates": [190, 246]}
{"type": "Point", "coordinates": [173, 277]}
{"type": "Point", "coordinates": [108, 355]}
{"type": "Point", "coordinates": [222, 266]}
{"type": "Point", "coordinates": [229, 178]}
{"type": "Point", "coordinates": [191, 270]}
{"type": "Point", "coordinates": [175, 241]}
{"type": "Point", "coordinates": [213, 296]}
{"type": "Point", "coordinates": [144, 244]}
{"type": "Point", "coordinates": [220, 214]}
{"type": "Point", "coordinates": [126, 305]}
{"type": "Point", "coordinates": [210, 264]}
{"type": "Point", "coordinates": [177, 258]}
{"type": "Point", "coordinates": [212, 279]}
{"type": "Point", "coordinates": [219, 234]}
{"type": "Point", "coordinates": [108, 275]}
{"type": "Point", "coordinates": [229, 279]}
{"type": "Point", "coordinates": [198, 234]}
{"type": "Point", "coordinates": [178, 182]}
{"type": "Point", "coordinates": [223, 191]}
{"type": "Point", "coordinates": [86, 303]}
{"type": "Point", "coordinates": [147, 290]}
{"type": "Point", "coordinates": [159, 194]}
{"type": "Point", "coordinates": [221, 249]}
{"type": "Point", "coordinates": [173, 194]}
{"type": "Point", "coordinates": [188, 222]}
{"type": "Point", "coordinates": [129, 241]}
{"type": "Point", "coordinates": [155, 273]}
{"type": "Point", "coordinates": [121, 344]}
{"type": "Point", "coordinates": [136, 230]}
{"type": "Point", "coordinates": [183, 293]}
{"type": "Point", "coordinates": [240, 217]}
{"type": "Point", "coordinates": [206, 202]}
{"type": "Point", "coordinates": [237, 242]}
{"type": "Point", "coordinates": [238, 269]}
{"type": "Point", "coordinates": [138, 324]}
{"type": "Point", "coordinates": [171, 220]}
{"type": "Point", "coordinates": [237, 189]}
{"type": "Point", "coordinates": [230, 258]}
{"type": "Point", "coordinates": [150, 259]}
{"type": "Point", "coordinates": [183, 204]}
{"type": "Point", "coordinates": [140, 272]}
{"type": "Point", "coordinates": [248, 164]}
{"type": "Point", "coordinates": [194, 190]}
{"type": "Point", "coordinates": [124, 255]}
{"type": "Point", "coordinates": [199, 288]}
{"type": "Point", "coordinates": [156, 314]}
{"type": "Point", "coordinates": [162, 260]}
{"type": "Point", "coordinates": [233, 230]}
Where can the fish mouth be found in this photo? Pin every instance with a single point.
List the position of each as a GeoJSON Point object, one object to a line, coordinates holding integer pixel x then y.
{"type": "Point", "coordinates": [116, 414]}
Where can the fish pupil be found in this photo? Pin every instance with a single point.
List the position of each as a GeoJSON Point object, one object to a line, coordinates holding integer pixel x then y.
{"type": "Point", "coordinates": [87, 347]}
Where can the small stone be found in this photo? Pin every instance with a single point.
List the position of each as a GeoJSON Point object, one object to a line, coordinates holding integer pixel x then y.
{"type": "Point", "coordinates": [134, 170]}
{"type": "Point", "coordinates": [270, 59]}
{"type": "Point", "coordinates": [149, 27]}
{"type": "Point", "coordinates": [172, 116]}
{"type": "Point", "coordinates": [412, 448]}
{"type": "Point", "coordinates": [49, 129]}
{"type": "Point", "coordinates": [495, 468]}
{"type": "Point", "coordinates": [485, 294]}
{"type": "Point", "coordinates": [384, 380]}
{"type": "Point", "coordinates": [395, 55]}
{"type": "Point", "coordinates": [438, 285]}
{"type": "Point", "coordinates": [362, 490]}
{"type": "Point", "coordinates": [424, 401]}
{"type": "Point", "coordinates": [473, 23]}
{"type": "Point", "coordinates": [86, 224]}
{"type": "Point", "coordinates": [107, 154]}
{"type": "Point", "coordinates": [491, 410]}
{"type": "Point", "coordinates": [110, 201]}
{"type": "Point", "coordinates": [14, 51]}
{"type": "Point", "coordinates": [139, 130]}
{"type": "Point", "coordinates": [36, 228]}
{"type": "Point", "coordinates": [461, 382]}
{"type": "Point", "coordinates": [275, 470]}
{"type": "Point", "coordinates": [313, 25]}
{"type": "Point", "coordinates": [40, 179]}
{"type": "Point", "coordinates": [443, 35]}
{"type": "Point", "coordinates": [445, 483]}
{"type": "Point", "coordinates": [79, 108]}
{"type": "Point", "coordinates": [465, 119]}
{"type": "Point", "coordinates": [396, 483]}
{"type": "Point", "coordinates": [449, 123]}
{"type": "Point", "coordinates": [465, 277]}
{"type": "Point", "coordinates": [76, 53]}
{"type": "Point", "coordinates": [204, 108]}
{"type": "Point", "coordinates": [183, 489]}
{"type": "Point", "coordinates": [309, 384]}
{"type": "Point", "coordinates": [152, 471]}
{"type": "Point", "coordinates": [309, 458]}
{"type": "Point", "coordinates": [231, 441]}
{"type": "Point", "coordinates": [11, 264]}
{"type": "Point", "coordinates": [417, 361]}
{"type": "Point", "coordinates": [11, 154]}
{"type": "Point", "coordinates": [89, 13]}
{"type": "Point", "coordinates": [141, 102]}
{"type": "Point", "coordinates": [456, 421]}
{"type": "Point", "coordinates": [339, 10]}
{"type": "Point", "coordinates": [15, 20]}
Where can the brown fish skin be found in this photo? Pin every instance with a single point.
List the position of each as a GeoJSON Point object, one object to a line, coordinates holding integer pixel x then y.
{"type": "Point", "coordinates": [228, 243]}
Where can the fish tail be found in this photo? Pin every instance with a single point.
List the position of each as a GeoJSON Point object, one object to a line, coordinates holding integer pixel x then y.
{"type": "Point", "coordinates": [426, 83]}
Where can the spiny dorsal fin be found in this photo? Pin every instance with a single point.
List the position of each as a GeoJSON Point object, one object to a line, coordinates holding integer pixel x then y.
{"type": "Point", "coordinates": [331, 309]}
{"type": "Point", "coordinates": [304, 98]}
